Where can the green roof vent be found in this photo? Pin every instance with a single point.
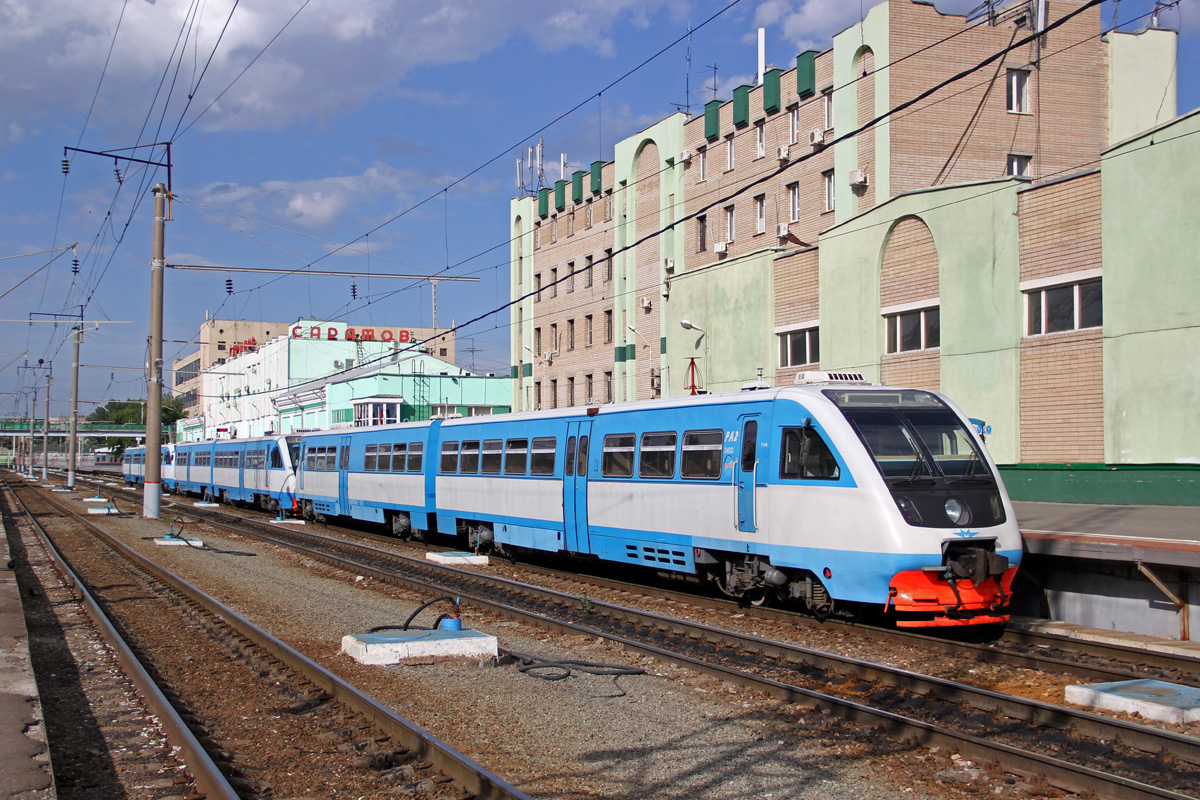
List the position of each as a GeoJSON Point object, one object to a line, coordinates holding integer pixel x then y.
{"type": "Point", "coordinates": [771, 90]}
{"type": "Point", "coordinates": [741, 106]}
{"type": "Point", "coordinates": [597, 176]}
{"type": "Point", "coordinates": [806, 74]}
{"type": "Point", "coordinates": [712, 120]}
{"type": "Point", "coordinates": [577, 186]}
{"type": "Point", "coordinates": [543, 203]}
{"type": "Point", "coordinates": [560, 194]}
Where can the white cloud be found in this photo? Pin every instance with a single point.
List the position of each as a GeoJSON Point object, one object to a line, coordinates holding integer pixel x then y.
{"type": "Point", "coordinates": [334, 55]}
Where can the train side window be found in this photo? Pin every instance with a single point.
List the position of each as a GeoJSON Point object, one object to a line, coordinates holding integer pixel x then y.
{"type": "Point", "coordinates": [805, 456]}
{"type": "Point", "coordinates": [658, 456]}
{"type": "Point", "coordinates": [702, 454]}
{"type": "Point", "coordinates": [415, 451]}
{"type": "Point", "coordinates": [468, 459]}
{"type": "Point", "coordinates": [516, 456]}
{"type": "Point", "coordinates": [541, 456]}
{"type": "Point", "coordinates": [617, 457]}
{"type": "Point", "coordinates": [581, 467]}
{"type": "Point", "coordinates": [398, 455]}
{"type": "Point", "coordinates": [322, 457]}
{"type": "Point", "coordinates": [449, 457]}
{"type": "Point", "coordinates": [369, 458]}
{"type": "Point", "coordinates": [384, 462]}
{"type": "Point", "coordinates": [749, 445]}
{"type": "Point", "coordinates": [569, 464]}
{"type": "Point", "coordinates": [344, 463]}
{"type": "Point", "coordinates": [492, 452]}
{"type": "Point", "coordinates": [276, 458]}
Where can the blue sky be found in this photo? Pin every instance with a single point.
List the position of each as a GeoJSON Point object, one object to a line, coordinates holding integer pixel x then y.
{"type": "Point", "coordinates": [377, 117]}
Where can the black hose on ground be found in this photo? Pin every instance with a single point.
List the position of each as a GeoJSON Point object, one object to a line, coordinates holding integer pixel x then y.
{"type": "Point", "coordinates": [414, 614]}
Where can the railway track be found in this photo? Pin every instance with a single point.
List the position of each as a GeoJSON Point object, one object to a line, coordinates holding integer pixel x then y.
{"type": "Point", "coordinates": [255, 716]}
{"type": "Point", "coordinates": [1068, 748]}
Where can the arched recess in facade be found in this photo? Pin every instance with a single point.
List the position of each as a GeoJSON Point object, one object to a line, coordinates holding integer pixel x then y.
{"type": "Point", "coordinates": [519, 354]}
{"type": "Point", "coordinates": [864, 88]}
{"type": "Point", "coordinates": [910, 305]}
{"type": "Point", "coordinates": [645, 296]}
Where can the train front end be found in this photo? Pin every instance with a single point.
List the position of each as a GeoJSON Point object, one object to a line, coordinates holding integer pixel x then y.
{"type": "Point", "coordinates": [949, 495]}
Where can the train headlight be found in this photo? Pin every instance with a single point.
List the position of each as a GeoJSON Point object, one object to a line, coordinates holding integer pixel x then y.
{"type": "Point", "coordinates": [956, 512]}
{"type": "Point", "coordinates": [909, 510]}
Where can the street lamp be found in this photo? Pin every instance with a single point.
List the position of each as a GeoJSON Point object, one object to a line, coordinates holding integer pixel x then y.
{"type": "Point", "coordinates": [687, 326]}
{"type": "Point", "coordinates": [691, 371]}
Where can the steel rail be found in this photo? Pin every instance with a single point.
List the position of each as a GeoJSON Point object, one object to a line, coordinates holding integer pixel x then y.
{"type": "Point", "coordinates": [467, 773]}
{"type": "Point", "coordinates": [1064, 774]}
{"type": "Point", "coordinates": [203, 769]}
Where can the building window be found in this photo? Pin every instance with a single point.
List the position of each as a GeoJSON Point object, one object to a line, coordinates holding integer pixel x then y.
{"type": "Point", "coordinates": [760, 140]}
{"type": "Point", "coordinates": [800, 347]}
{"type": "Point", "coordinates": [1018, 91]}
{"type": "Point", "coordinates": [554, 230]}
{"type": "Point", "coordinates": [608, 387]}
{"type": "Point", "coordinates": [730, 161]}
{"type": "Point", "coordinates": [830, 190]}
{"type": "Point", "coordinates": [587, 273]}
{"type": "Point", "coordinates": [587, 331]}
{"type": "Point", "coordinates": [794, 202]}
{"type": "Point", "coordinates": [537, 236]}
{"type": "Point", "coordinates": [729, 229]}
{"type": "Point", "coordinates": [537, 341]}
{"type": "Point", "coordinates": [570, 334]}
{"type": "Point", "coordinates": [1064, 308]}
{"type": "Point", "coordinates": [701, 233]}
{"type": "Point", "coordinates": [588, 219]}
{"type": "Point", "coordinates": [537, 394]}
{"type": "Point", "coordinates": [220, 345]}
{"type": "Point", "coordinates": [827, 98]}
{"type": "Point", "coordinates": [554, 337]}
{"type": "Point", "coordinates": [570, 276]}
{"type": "Point", "coordinates": [1018, 165]}
{"type": "Point", "coordinates": [587, 389]}
{"type": "Point", "coordinates": [794, 124]}
{"type": "Point", "coordinates": [608, 265]}
{"type": "Point", "coordinates": [608, 326]}
{"type": "Point", "coordinates": [554, 283]}
{"type": "Point", "coordinates": [703, 156]}
{"type": "Point", "coordinates": [571, 224]}
{"type": "Point", "coordinates": [537, 288]}
{"type": "Point", "coordinates": [570, 391]}
{"type": "Point", "coordinates": [554, 393]}
{"type": "Point", "coordinates": [760, 214]}
{"type": "Point", "coordinates": [914, 330]}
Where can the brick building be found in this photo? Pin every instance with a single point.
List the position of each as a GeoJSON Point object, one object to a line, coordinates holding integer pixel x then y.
{"type": "Point", "coordinates": [853, 213]}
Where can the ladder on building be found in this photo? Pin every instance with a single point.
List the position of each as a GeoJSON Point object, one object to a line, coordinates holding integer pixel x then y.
{"type": "Point", "coordinates": [420, 399]}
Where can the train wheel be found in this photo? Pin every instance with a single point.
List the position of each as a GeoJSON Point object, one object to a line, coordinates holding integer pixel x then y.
{"type": "Point", "coordinates": [758, 597]}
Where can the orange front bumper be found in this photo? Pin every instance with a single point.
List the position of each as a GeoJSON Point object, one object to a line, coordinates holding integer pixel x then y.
{"type": "Point", "coordinates": [930, 596]}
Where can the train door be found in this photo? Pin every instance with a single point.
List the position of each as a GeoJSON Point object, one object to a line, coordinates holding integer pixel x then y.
{"type": "Point", "coordinates": [747, 472]}
{"type": "Point", "coordinates": [575, 475]}
{"type": "Point", "coordinates": [343, 472]}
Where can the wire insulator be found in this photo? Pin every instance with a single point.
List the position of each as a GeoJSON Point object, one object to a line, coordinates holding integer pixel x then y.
{"type": "Point", "coordinates": [229, 285]}
{"type": "Point", "coordinates": [74, 266]}
{"type": "Point", "coordinates": [66, 167]}
{"type": "Point", "coordinates": [353, 290]}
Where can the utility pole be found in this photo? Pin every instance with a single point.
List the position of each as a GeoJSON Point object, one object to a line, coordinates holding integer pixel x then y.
{"type": "Point", "coordinates": [151, 493]}
{"type": "Point", "coordinates": [46, 430]}
{"type": "Point", "coordinates": [32, 407]}
{"type": "Point", "coordinates": [74, 445]}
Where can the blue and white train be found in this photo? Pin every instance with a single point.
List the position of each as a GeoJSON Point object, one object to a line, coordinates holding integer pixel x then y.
{"type": "Point", "coordinates": [259, 471]}
{"type": "Point", "coordinates": [833, 493]}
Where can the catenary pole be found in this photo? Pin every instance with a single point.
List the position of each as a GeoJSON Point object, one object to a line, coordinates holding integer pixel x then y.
{"type": "Point", "coordinates": [46, 431]}
{"type": "Point", "coordinates": [32, 411]}
{"type": "Point", "coordinates": [152, 490]}
{"type": "Point", "coordinates": [74, 445]}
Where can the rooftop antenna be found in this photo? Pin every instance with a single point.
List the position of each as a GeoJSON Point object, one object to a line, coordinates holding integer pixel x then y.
{"type": "Point", "coordinates": [713, 67]}
{"type": "Point", "coordinates": [687, 77]}
{"type": "Point", "coordinates": [762, 54]}
{"type": "Point", "coordinates": [541, 163]}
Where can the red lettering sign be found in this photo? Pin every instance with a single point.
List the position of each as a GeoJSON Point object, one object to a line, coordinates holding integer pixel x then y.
{"type": "Point", "coordinates": [314, 332]}
{"type": "Point", "coordinates": [367, 334]}
{"type": "Point", "coordinates": [405, 336]}
{"type": "Point", "coordinates": [296, 331]}
{"type": "Point", "coordinates": [350, 336]}
{"type": "Point", "coordinates": [387, 335]}
{"type": "Point", "coordinates": [331, 334]}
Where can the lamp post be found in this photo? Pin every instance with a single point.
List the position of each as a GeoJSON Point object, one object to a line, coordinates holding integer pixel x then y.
{"type": "Point", "coordinates": [688, 326]}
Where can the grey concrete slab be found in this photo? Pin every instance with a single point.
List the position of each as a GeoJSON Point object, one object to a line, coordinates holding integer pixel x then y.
{"type": "Point", "coordinates": [26, 770]}
{"type": "Point", "coordinates": [1153, 534]}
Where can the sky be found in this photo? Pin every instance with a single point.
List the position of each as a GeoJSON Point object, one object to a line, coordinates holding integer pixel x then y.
{"type": "Point", "coordinates": [376, 136]}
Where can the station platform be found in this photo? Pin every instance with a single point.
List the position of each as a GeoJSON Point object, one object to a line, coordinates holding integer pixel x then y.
{"type": "Point", "coordinates": [1151, 534]}
{"type": "Point", "coordinates": [26, 771]}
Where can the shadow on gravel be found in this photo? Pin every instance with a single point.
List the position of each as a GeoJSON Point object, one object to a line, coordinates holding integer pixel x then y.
{"type": "Point", "coordinates": [82, 767]}
{"type": "Point", "coordinates": [744, 755]}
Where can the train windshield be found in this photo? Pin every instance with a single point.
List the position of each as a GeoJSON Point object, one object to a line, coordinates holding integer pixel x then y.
{"type": "Point", "coordinates": [293, 446]}
{"type": "Point", "coordinates": [911, 434]}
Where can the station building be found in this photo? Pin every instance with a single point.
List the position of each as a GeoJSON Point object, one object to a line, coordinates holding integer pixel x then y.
{"type": "Point", "coordinates": [318, 374]}
{"type": "Point", "coordinates": [1020, 239]}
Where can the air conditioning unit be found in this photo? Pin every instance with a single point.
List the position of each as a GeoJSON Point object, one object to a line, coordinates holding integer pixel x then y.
{"type": "Point", "coordinates": [647, 303]}
{"type": "Point", "coordinates": [721, 247]}
{"type": "Point", "coordinates": [858, 177]}
{"type": "Point", "coordinates": [655, 382]}
{"type": "Point", "coordinates": [781, 230]}
{"type": "Point", "coordinates": [782, 152]}
{"type": "Point", "coordinates": [669, 265]}
{"type": "Point", "coordinates": [548, 356]}
{"type": "Point", "coordinates": [685, 156]}
{"type": "Point", "coordinates": [816, 137]}
{"type": "Point", "coordinates": [337, 365]}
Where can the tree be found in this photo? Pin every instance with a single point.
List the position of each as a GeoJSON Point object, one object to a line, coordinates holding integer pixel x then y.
{"type": "Point", "coordinates": [132, 412]}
